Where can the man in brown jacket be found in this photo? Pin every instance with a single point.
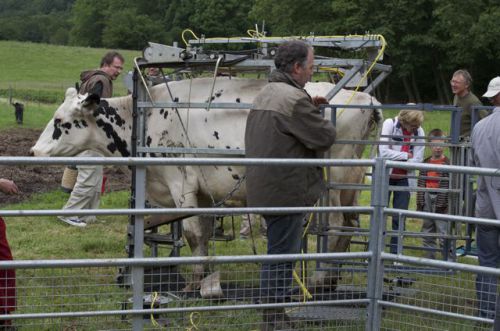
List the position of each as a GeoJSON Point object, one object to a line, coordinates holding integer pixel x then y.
{"type": "Point", "coordinates": [86, 194]}
{"type": "Point", "coordinates": [285, 123]}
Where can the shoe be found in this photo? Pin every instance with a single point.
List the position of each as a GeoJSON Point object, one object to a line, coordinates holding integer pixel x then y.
{"type": "Point", "coordinates": [75, 221]}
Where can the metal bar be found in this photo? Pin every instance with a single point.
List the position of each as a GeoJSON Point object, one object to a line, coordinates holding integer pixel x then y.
{"type": "Point", "coordinates": [138, 161]}
{"type": "Point", "coordinates": [185, 260]}
{"type": "Point", "coordinates": [442, 217]}
{"type": "Point", "coordinates": [341, 83]}
{"type": "Point", "coordinates": [376, 82]}
{"type": "Point", "coordinates": [376, 246]}
{"type": "Point", "coordinates": [441, 264]}
{"type": "Point", "coordinates": [185, 211]}
{"type": "Point", "coordinates": [434, 312]}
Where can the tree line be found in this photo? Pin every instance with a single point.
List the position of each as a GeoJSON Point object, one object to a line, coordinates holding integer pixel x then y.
{"type": "Point", "coordinates": [427, 39]}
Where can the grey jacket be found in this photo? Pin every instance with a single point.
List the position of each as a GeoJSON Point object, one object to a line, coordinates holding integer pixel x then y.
{"type": "Point", "coordinates": [486, 154]}
{"type": "Point", "coordinates": [285, 124]}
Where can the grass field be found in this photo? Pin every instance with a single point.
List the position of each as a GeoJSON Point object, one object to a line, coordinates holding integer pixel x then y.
{"type": "Point", "coordinates": [38, 69]}
{"type": "Point", "coordinates": [50, 69]}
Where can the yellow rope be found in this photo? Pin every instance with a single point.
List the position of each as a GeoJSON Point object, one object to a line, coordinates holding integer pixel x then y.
{"type": "Point", "coordinates": [153, 321]}
{"type": "Point", "coordinates": [194, 318]}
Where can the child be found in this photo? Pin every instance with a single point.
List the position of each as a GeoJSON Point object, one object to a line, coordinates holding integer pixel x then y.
{"type": "Point", "coordinates": [434, 202]}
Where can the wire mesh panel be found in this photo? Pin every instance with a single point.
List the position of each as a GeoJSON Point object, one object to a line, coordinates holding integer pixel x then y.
{"type": "Point", "coordinates": [430, 298]}
{"type": "Point", "coordinates": [229, 297]}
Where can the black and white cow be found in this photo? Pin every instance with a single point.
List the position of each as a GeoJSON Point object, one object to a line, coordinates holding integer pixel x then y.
{"type": "Point", "coordinates": [81, 124]}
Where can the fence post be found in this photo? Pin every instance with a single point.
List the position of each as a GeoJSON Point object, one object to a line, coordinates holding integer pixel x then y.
{"type": "Point", "coordinates": [379, 197]}
{"type": "Point", "coordinates": [139, 200]}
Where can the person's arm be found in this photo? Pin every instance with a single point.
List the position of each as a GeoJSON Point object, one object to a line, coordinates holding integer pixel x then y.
{"type": "Point", "coordinates": [8, 186]}
{"type": "Point", "coordinates": [310, 127]}
{"type": "Point", "coordinates": [96, 89]}
{"type": "Point", "coordinates": [386, 150]}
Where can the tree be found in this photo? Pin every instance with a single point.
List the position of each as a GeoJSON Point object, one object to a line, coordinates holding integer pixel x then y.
{"type": "Point", "coordinates": [88, 21]}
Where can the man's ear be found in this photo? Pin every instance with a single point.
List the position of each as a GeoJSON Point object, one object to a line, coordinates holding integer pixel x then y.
{"type": "Point", "coordinates": [91, 101]}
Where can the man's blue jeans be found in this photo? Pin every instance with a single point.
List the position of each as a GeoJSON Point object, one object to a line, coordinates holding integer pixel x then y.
{"type": "Point", "coordinates": [489, 256]}
{"type": "Point", "coordinates": [284, 234]}
{"type": "Point", "coordinates": [400, 200]}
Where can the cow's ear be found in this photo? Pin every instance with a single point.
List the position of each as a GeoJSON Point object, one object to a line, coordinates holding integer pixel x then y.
{"type": "Point", "coordinates": [91, 101]}
{"type": "Point", "coordinates": [70, 93]}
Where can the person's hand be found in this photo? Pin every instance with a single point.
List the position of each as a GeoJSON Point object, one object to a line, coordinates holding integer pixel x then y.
{"type": "Point", "coordinates": [410, 155]}
{"type": "Point", "coordinates": [8, 186]}
{"type": "Point", "coordinates": [317, 100]}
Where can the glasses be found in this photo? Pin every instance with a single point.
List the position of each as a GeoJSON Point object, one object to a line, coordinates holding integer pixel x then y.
{"type": "Point", "coordinates": [454, 81]}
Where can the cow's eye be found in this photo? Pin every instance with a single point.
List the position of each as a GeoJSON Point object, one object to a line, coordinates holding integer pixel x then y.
{"type": "Point", "coordinates": [57, 121]}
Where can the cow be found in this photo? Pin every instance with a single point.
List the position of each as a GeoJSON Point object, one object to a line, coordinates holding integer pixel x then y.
{"type": "Point", "coordinates": [105, 126]}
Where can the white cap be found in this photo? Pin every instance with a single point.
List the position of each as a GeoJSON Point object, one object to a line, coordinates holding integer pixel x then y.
{"type": "Point", "coordinates": [493, 88]}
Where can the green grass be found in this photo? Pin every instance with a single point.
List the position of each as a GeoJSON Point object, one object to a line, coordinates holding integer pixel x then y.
{"type": "Point", "coordinates": [38, 70]}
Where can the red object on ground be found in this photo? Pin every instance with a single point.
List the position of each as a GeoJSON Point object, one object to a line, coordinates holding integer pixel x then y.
{"type": "Point", "coordinates": [103, 187]}
{"type": "Point", "coordinates": [7, 276]}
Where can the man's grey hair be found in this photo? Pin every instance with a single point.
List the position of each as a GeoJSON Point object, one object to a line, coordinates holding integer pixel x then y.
{"type": "Point", "coordinates": [290, 53]}
{"type": "Point", "coordinates": [466, 75]}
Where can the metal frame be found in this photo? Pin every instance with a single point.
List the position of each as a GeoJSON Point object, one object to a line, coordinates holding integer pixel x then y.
{"type": "Point", "coordinates": [375, 256]}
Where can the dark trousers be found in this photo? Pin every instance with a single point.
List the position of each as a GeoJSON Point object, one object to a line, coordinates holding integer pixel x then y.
{"type": "Point", "coordinates": [284, 234]}
{"type": "Point", "coordinates": [489, 256]}
{"type": "Point", "coordinates": [400, 200]}
{"type": "Point", "coordinates": [19, 115]}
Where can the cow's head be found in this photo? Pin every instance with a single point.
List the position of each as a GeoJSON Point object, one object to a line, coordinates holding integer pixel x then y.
{"type": "Point", "coordinates": [72, 127]}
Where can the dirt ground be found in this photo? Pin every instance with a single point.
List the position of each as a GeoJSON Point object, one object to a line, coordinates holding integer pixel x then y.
{"type": "Point", "coordinates": [39, 179]}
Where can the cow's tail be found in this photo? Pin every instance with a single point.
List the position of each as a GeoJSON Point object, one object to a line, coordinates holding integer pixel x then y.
{"type": "Point", "coordinates": [377, 120]}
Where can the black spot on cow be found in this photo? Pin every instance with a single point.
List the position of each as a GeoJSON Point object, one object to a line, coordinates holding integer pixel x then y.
{"type": "Point", "coordinates": [218, 93]}
{"type": "Point", "coordinates": [211, 99]}
{"type": "Point", "coordinates": [66, 125]}
{"type": "Point", "coordinates": [148, 141]}
{"type": "Point", "coordinates": [237, 148]}
{"type": "Point", "coordinates": [111, 147]}
{"type": "Point", "coordinates": [165, 115]}
{"type": "Point", "coordinates": [236, 177]}
{"type": "Point", "coordinates": [228, 147]}
{"type": "Point", "coordinates": [130, 127]}
{"type": "Point", "coordinates": [84, 123]}
{"type": "Point", "coordinates": [149, 114]}
{"type": "Point", "coordinates": [57, 129]}
{"type": "Point", "coordinates": [109, 112]}
{"type": "Point", "coordinates": [66, 131]}
{"type": "Point", "coordinates": [210, 146]}
{"type": "Point", "coordinates": [206, 120]}
{"type": "Point", "coordinates": [238, 100]}
{"type": "Point", "coordinates": [162, 111]}
{"type": "Point", "coordinates": [120, 144]}
{"type": "Point", "coordinates": [216, 135]}
{"type": "Point", "coordinates": [229, 169]}
{"type": "Point", "coordinates": [77, 124]}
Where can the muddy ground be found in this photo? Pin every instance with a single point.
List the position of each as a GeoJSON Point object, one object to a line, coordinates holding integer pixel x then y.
{"type": "Point", "coordinates": [39, 179]}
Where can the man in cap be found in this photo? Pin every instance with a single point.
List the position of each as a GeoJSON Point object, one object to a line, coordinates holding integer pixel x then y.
{"type": "Point", "coordinates": [486, 154]}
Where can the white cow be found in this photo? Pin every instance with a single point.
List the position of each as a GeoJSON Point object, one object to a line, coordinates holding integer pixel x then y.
{"type": "Point", "coordinates": [80, 124]}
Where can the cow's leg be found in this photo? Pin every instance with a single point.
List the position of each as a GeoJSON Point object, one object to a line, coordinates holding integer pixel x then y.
{"type": "Point", "coordinates": [197, 232]}
{"type": "Point", "coordinates": [328, 279]}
